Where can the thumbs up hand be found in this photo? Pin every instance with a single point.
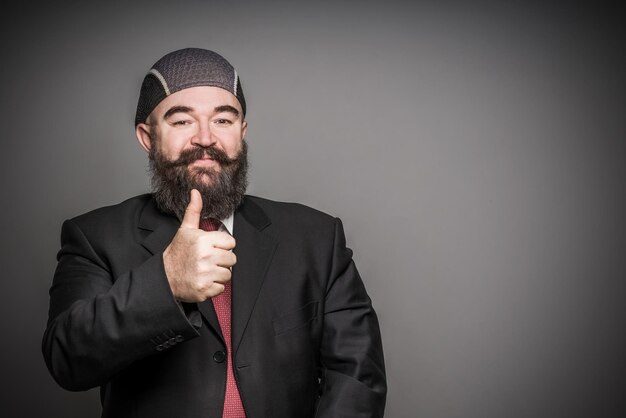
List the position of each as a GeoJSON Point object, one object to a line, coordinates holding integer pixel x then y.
{"type": "Point", "coordinates": [198, 263]}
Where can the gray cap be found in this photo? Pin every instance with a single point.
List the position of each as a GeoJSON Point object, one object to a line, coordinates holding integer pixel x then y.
{"type": "Point", "coordinates": [182, 69]}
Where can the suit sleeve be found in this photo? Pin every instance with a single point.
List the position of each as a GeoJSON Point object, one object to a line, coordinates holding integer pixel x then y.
{"type": "Point", "coordinates": [354, 382]}
{"type": "Point", "coordinates": [98, 325]}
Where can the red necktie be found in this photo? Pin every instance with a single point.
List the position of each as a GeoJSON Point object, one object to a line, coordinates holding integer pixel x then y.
{"type": "Point", "coordinates": [233, 408]}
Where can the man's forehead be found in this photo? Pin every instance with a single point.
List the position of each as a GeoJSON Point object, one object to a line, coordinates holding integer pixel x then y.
{"type": "Point", "coordinates": [198, 99]}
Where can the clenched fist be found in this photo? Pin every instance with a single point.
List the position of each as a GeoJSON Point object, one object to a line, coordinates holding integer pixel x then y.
{"type": "Point", "coordinates": [198, 263]}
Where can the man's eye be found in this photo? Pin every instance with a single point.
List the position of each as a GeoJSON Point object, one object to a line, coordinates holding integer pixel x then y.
{"type": "Point", "coordinates": [181, 122]}
{"type": "Point", "coordinates": [223, 121]}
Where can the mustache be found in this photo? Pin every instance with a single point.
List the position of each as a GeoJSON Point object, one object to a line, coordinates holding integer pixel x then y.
{"type": "Point", "coordinates": [188, 156]}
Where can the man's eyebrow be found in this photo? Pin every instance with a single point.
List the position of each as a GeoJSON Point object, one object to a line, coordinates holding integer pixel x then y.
{"type": "Point", "coordinates": [227, 108]}
{"type": "Point", "coordinates": [177, 109]}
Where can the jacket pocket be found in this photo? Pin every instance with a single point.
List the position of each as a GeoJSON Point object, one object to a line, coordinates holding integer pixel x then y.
{"type": "Point", "coordinates": [296, 319]}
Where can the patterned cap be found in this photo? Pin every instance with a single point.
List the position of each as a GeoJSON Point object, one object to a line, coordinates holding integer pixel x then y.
{"type": "Point", "coordinates": [182, 69]}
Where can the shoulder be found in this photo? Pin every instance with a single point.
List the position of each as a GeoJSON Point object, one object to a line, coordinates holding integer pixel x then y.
{"type": "Point", "coordinates": [120, 215]}
{"type": "Point", "coordinates": [277, 210]}
{"type": "Point", "coordinates": [292, 219]}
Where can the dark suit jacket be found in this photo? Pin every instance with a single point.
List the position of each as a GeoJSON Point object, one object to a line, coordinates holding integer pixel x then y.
{"type": "Point", "coordinates": [305, 338]}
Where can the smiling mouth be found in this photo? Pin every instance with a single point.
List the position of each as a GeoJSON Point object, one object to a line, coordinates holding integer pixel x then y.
{"type": "Point", "coordinates": [205, 162]}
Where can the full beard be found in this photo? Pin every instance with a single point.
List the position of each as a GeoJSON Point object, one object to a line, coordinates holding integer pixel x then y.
{"type": "Point", "coordinates": [222, 190]}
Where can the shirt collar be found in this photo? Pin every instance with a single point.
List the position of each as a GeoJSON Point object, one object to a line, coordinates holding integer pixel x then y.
{"type": "Point", "coordinates": [228, 223]}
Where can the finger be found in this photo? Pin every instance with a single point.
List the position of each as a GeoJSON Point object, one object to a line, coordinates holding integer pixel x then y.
{"type": "Point", "coordinates": [224, 258]}
{"type": "Point", "coordinates": [221, 275]}
{"type": "Point", "coordinates": [219, 239]}
{"type": "Point", "coordinates": [191, 219]}
{"type": "Point", "coordinates": [215, 289]}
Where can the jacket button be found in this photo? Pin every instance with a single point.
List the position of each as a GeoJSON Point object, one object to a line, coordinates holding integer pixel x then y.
{"type": "Point", "coordinates": [160, 347]}
{"type": "Point", "coordinates": [179, 338]}
{"type": "Point", "coordinates": [219, 356]}
{"type": "Point", "coordinates": [173, 341]}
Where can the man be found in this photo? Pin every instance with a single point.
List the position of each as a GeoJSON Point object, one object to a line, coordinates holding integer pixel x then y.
{"type": "Point", "coordinates": [199, 301]}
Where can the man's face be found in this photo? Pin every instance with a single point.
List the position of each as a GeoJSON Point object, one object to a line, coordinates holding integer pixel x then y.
{"type": "Point", "coordinates": [195, 139]}
{"type": "Point", "coordinates": [197, 117]}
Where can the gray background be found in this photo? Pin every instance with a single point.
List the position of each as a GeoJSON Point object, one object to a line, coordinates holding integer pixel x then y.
{"type": "Point", "coordinates": [474, 151]}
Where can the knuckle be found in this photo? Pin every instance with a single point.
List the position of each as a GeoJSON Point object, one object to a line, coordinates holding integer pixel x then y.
{"type": "Point", "coordinates": [215, 290]}
{"type": "Point", "coordinates": [199, 288]}
{"type": "Point", "coordinates": [222, 275]}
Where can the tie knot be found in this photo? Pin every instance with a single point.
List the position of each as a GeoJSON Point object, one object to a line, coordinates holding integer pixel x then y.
{"type": "Point", "coordinates": [210, 224]}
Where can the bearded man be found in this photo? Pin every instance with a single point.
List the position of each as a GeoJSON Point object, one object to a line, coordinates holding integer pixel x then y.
{"type": "Point", "coordinates": [199, 301]}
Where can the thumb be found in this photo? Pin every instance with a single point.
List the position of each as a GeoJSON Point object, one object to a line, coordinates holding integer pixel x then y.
{"type": "Point", "coordinates": [192, 213]}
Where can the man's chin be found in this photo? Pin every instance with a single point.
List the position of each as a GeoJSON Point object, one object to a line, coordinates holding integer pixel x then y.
{"type": "Point", "coordinates": [203, 175]}
{"type": "Point", "coordinates": [202, 182]}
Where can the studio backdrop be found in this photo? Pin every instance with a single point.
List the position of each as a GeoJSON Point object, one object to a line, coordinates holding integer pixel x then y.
{"type": "Point", "coordinates": [475, 153]}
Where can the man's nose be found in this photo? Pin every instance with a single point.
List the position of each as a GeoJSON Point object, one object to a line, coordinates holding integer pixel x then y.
{"type": "Point", "coordinates": [203, 137]}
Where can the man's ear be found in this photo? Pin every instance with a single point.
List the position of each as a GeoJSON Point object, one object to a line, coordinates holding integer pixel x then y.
{"type": "Point", "coordinates": [244, 128]}
{"type": "Point", "coordinates": [142, 131]}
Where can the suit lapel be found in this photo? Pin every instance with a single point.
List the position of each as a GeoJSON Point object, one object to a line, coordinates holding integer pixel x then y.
{"type": "Point", "coordinates": [163, 228]}
{"type": "Point", "coordinates": [254, 251]}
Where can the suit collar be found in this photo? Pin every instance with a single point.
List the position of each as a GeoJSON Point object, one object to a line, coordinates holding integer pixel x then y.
{"type": "Point", "coordinates": [254, 249]}
{"type": "Point", "coordinates": [253, 214]}
{"type": "Point", "coordinates": [163, 227]}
